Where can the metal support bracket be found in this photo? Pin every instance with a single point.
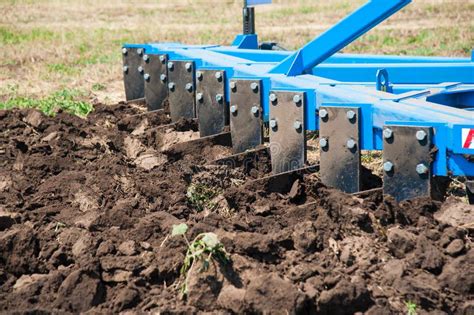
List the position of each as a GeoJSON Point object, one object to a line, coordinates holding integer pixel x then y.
{"type": "Point", "coordinates": [407, 155]}
{"type": "Point", "coordinates": [340, 147]}
{"type": "Point", "coordinates": [287, 130]}
{"type": "Point", "coordinates": [133, 73]}
{"type": "Point", "coordinates": [156, 80]}
{"type": "Point", "coordinates": [181, 89]}
{"type": "Point", "coordinates": [246, 114]}
{"type": "Point", "coordinates": [211, 106]}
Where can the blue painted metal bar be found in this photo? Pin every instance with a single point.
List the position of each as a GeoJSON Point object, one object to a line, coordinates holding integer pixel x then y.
{"type": "Point", "coordinates": [339, 36]}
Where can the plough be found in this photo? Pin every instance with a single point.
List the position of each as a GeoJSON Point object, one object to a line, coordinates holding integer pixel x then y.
{"type": "Point", "coordinates": [418, 110]}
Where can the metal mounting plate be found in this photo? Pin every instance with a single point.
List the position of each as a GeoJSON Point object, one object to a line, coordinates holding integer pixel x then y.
{"type": "Point", "coordinates": [340, 164]}
{"type": "Point", "coordinates": [156, 81]}
{"type": "Point", "coordinates": [211, 112]}
{"type": "Point", "coordinates": [246, 114]}
{"type": "Point", "coordinates": [287, 143]}
{"type": "Point", "coordinates": [181, 100]}
{"type": "Point", "coordinates": [132, 77]}
{"type": "Point", "coordinates": [406, 152]}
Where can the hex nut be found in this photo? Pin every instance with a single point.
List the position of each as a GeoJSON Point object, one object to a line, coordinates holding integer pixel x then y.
{"type": "Point", "coordinates": [163, 77]}
{"type": "Point", "coordinates": [323, 113]}
{"type": "Point", "coordinates": [162, 58]}
{"type": "Point", "coordinates": [140, 69]}
{"type": "Point", "coordinates": [146, 76]}
{"type": "Point", "coordinates": [233, 86]}
{"type": "Point", "coordinates": [219, 98]}
{"type": "Point", "coordinates": [254, 110]}
{"type": "Point", "coordinates": [273, 97]}
{"type": "Point", "coordinates": [171, 86]}
{"type": "Point", "coordinates": [170, 65]}
{"type": "Point", "coordinates": [124, 51]}
{"type": "Point", "coordinates": [125, 69]}
{"type": "Point", "coordinates": [146, 58]}
{"type": "Point", "coordinates": [350, 115]}
{"type": "Point", "coordinates": [388, 166]}
{"type": "Point", "coordinates": [233, 109]}
{"type": "Point", "coordinates": [189, 87]}
{"type": "Point", "coordinates": [273, 123]}
{"type": "Point", "coordinates": [387, 133]}
{"type": "Point", "coordinates": [422, 169]}
{"type": "Point", "coordinates": [254, 86]}
{"type": "Point", "coordinates": [199, 75]}
{"type": "Point", "coordinates": [297, 99]}
{"type": "Point", "coordinates": [323, 142]}
{"type": "Point", "coordinates": [188, 66]}
{"type": "Point", "coordinates": [140, 51]}
{"type": "Point", "coordinates": [218, 76]}
{"type": "Point", "coordinates": [199, 97]}
{"type": "Point", "coordinates": [351, 144]}
{"type": "Point", "coordinates": [421, 135]}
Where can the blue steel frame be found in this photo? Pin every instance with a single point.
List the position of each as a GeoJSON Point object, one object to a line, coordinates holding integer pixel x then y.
{"type": "Point", "coordinates": [427, 91]}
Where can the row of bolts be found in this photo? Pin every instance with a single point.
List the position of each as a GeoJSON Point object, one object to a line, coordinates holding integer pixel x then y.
{"type": "Point", "coordinates": [298, 125]}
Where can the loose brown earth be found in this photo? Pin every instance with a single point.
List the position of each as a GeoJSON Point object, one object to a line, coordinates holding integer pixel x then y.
{"type": "Point", "coordinates": [87, 206]}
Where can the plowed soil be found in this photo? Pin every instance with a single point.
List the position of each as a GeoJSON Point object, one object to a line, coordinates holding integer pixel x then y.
{"type": "Point", "coordinates": [87, 207]}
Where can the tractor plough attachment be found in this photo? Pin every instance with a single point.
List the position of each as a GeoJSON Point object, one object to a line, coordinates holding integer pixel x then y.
{"type": "Point", "coordinates": [418, 110]}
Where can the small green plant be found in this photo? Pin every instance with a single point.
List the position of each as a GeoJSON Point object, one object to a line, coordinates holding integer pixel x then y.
{"type": "Point", "coordinates": [98, 87]}
{"type": "Point", "coordinates": [200, 196]}
{"type": "Point", "coordinates": [411, 307]}
{"type": "Point", "coordinates": [204, 248]}
{"type": "Point", "coordinates": [66, 99]}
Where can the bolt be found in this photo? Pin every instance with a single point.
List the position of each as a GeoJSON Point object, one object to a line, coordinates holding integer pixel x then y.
{"type": "Point", "coordinates": [188, 66]}
{"type": "Point", "coordinates": [170, 65]}
{"type": "Point", "coordinates": [323, 142]}
{"type": "Point", "coordinates": [297, 99]}
{"type": "Point", "coordinates": [199, 75]}
{"type": "Point", "coordinates": [273, 124]}
{"type": "Point", "coordinates": [388, 166]}
{"type": "Point", "coordinates": [422, 169]}
{"type": "Point", "coordinates": [171, 86]}
{"type": "Point", "coordinates": [254, 110]}
{"type": "Point", "coordinates": [297, 125]}
{"type": "Point", "coordinates": [140, 51]}
{"type": "Point", "coordinates": [140, 69]}
{"type": "Point", "coordinates": [421, 135]}
{"type": "Point", "coordinates": [273, 97]}
{"type": "Point", "coordinates": [254, 87]}
{"type": "Point", "coordinates": [219, 76]}
{"type": "Point", "coordinates": [199, 97]}
{"type": "Point", "coordinates": [162, 59]}
{"type": "Point", "coordinates": [189, 87]}
{"type": "Point", "coordinates": [233, 86]}
{"type": "Point", "coordinates": [351, 144]}
{"type": "Point", "coordinates": [146, 77]}
{"type": "Point", "coordinates": [219, 98]}
{"type": "Point", "coordinates": [124, 51]}
{"type": "Point", "coordinates": [323, 113]}
{"type": "Point", "coordinates": [233, 109]}
{"type": "Point", "coordinates": [163, 77]}
{"type": "Point", "coordinates": [350, 115]}
{"type": "Point", "coordinates": [387, 133]}
{"type": "Point", "coordinates": [125, 69]}
{"type": "Point", "coordinates": [146, 58]}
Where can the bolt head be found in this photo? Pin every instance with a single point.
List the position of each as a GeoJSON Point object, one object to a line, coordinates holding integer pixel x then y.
{"type": "Point", "coordinates": [387, 133]}
{"type": "Point", "coordinates": [219, 98]}
{"type": "Point", "coordinates": [233, 109]}
{"type": "Point", "coordinates": [162, 59]}
{"type": "Point", "coordinates": [146, 58]}
{"type": "Point", "coordinates": [140, 51]}
{"type": "Point", "coordinates": [421, 135]}
{"type": "Point", "coordinates": [273, 97]}
{"type": "Point", "coordinates": [297, 99]}
{"type": "Point", "coordinates": [323, 113]}
{"type": "Point", "coordinates": [163, 77]}
{"type": "Point", "coordinates": [140, 69]}
{"type": "Point", "coordinates": [125, 69]}
{"type": "Point", "coordinates": [218, 76]}
{"type": "Point", "coordinates": [200, 97]}
{"type": "Point", "coordinates": [146, 76]}
{"type": "Point", "coordinates": [273, 123]}
{"type": "Point", "coordinates": [171, 86]}
{"type": "Point", "coordinates": [323, 142]}
{"type": "Point", "coordinates": [254, 110]}
{"type": "Point", "coordinates": [351, 144]}
{"type": "Point", "coordinates": [189, 87]}
{"type": "Point", "coordinates": [170, 65]}
{"type": "Point", "coordinates": [422, 169]}
{"type": "Point", "coordinates": [188, 66]}
{"type": "Point", "coordinates": [124, 51]}
{"type": "Point", "coordinates": [350, 115]}
{"type": "Point", "coordinates": [233, 85]}
{"type": "Point", "coordinates": [254, 86]}
{"type": "Point", "coordinates": [199, 75]}
{"type": "Point", "coordinates": [298, 125]}
{"type": "Point", "coordinates": [388, 166]}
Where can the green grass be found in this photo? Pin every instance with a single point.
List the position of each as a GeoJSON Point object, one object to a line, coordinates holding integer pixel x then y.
{"type": "Point", "coordinates": [66, 99]}
{"type": "Point", "coordinates": [13, 37]}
